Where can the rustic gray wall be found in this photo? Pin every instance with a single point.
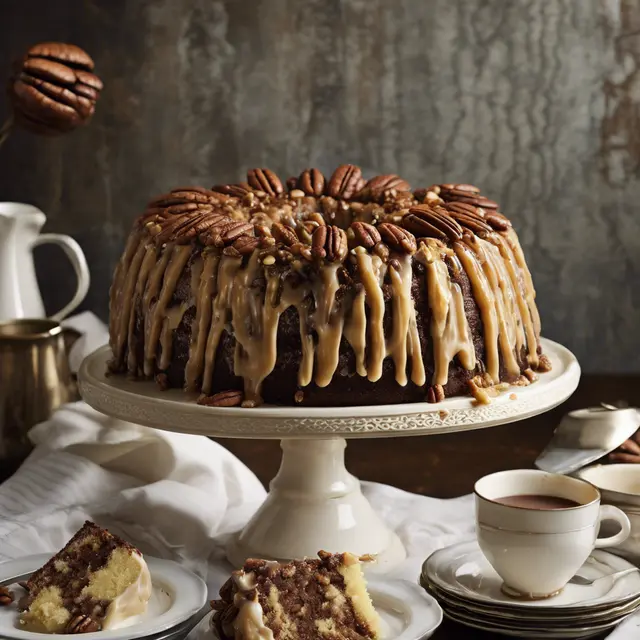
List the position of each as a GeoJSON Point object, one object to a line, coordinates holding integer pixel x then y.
{"type": "Point", "coordinates": [536, 101]}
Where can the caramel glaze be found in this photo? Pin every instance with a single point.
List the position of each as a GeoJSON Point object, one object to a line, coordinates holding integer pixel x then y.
{"type": "Point", "coordinates": [353, 326]}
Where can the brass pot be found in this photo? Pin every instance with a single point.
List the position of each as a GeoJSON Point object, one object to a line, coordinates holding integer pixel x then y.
{"type": "Point", "coordinates": [35, 379]}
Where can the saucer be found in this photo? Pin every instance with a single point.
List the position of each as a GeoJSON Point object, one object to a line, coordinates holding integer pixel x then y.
{"type": "Point", "coordinates": [462, 571]}
{"type": "Point", "coordinates": [407, 611]}
{"type": "Point", "coordinates": [177, 594]}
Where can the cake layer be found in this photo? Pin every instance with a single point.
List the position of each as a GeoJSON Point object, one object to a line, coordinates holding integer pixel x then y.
{"type": "Point", "coordinates": [424, 295]}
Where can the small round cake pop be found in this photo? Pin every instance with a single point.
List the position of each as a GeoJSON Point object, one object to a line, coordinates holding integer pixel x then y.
{"type": "Point", "coordinates": [53, 89]}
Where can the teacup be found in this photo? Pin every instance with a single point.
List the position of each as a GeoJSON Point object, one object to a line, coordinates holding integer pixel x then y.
{"type": "Point", "coordinates": [538, 528]}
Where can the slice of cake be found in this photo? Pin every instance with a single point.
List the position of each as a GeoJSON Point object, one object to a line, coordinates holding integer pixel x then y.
{"type": "Point", "coordinates": [95, 582]}
{"type": "Point", "coordinates": [305, 599]}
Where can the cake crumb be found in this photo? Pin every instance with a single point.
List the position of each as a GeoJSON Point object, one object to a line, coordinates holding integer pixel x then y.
{"type": "Point", "coordinates": [299, 396]}
{"type": "Point", "coordinates": [513, 396]}
{"type": "Point", "coordinates": [443, 414]}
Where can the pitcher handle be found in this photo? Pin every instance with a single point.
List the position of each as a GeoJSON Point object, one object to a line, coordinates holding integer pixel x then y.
{"type": "Point", "coordinates": [78, 261]}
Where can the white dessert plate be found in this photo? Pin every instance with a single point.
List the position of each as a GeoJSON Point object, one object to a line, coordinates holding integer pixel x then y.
{"type": "Point", "coordinates": [407, 611]}
{"type": "Point", "coordinates": [529, 632]}
{"type": "Point", "coordinates": [462, 571]}
{"type": "Point", "coordinates": [177, 595]}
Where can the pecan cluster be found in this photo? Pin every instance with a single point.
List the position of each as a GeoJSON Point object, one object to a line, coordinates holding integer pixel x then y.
{"type": "Point", "coordinates": [53, 89]}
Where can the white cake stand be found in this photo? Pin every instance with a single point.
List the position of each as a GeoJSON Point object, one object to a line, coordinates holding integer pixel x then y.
{"type": "Point", "coordinates": [314, 503]}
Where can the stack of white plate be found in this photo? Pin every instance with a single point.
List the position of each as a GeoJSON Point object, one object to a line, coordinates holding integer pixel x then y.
{"type": "Point", "coordinates": [469, 591]}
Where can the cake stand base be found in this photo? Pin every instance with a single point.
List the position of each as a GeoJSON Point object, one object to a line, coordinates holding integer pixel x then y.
{"type": "Point", "coordinates": [315, 504]}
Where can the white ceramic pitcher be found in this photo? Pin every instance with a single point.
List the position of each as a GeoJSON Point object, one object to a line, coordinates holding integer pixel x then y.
{"type": "Point", "coordinates": [20, 226]}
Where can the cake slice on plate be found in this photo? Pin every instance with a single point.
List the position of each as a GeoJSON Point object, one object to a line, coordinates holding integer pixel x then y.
{"type": "Point", "coordinates": [304, 599]}
{"type": "Point", "coordinates": [96, 581]}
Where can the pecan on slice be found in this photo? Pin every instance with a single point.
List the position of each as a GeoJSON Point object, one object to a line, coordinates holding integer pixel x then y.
{"type": "Point", "coordinates": [312, 182]}
{"type": "Point", "coordinates": [376, 187]}
{"type": "Point", "coordinates": [82, 624]}
{"type": "Point", "coordinates": [265, 180]}
{"type": "Point", "coordinates": [365, 235]}
{"type": "Point", "coordinates": [6, 597]}
{"type": "Point", "coordinates": [345, 181]}
{"type": "Point", "coordinates": [231, 398]}
{"type": "Point", "coordinates": [284, 234]}
{"type": "Point", "coordinates": [432, 222]}
{"type": "Point", "coordinates": [330, 242]}
{"type": "Point", "coordinates": [238, 190]}
{"type": "Point", "coordinates": [397, 238]}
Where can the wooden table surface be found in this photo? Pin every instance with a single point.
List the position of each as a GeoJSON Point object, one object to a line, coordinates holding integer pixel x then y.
{"type": "Point", "coordinates": [446, 466]}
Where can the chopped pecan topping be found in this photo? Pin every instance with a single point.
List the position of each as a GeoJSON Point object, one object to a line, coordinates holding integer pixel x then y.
{"type": "Point", "coordinates": [345, 181]}
{"type": "Point", "coordinates": [397, 238]}
{"type": "Point", "coordinates": [312, 182]}
{"type": "Point", "coordinates": [432, 222]}
{"type": "Point", "coordinates": [365, 235]}
{"type": "Point", "coordinates": [376, 187]}
{"type": "Point", "coordinates": [82, 624]}
{"type": "Point", "coordinates": [329, 242]}
{"type": "Point", "coordinates": [265, 180]}
{"type": "Point", "coordinates": [284, 234]}
{"type": "Point", "coordinates": [544, 364]}
{"type": "Point", "coordinates": [231, 398]}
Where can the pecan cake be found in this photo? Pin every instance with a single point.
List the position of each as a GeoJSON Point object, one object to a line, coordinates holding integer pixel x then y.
{"type": "Point", "coordinates": [301, 600]}
{"type": "Point", "coordinates": [326, 292]}
{"type": "Point", "coordinates": [95, 582]}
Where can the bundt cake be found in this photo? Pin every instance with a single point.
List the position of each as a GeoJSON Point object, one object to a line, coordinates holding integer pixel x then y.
{"type": "Point", "coordinates": [325, 292]}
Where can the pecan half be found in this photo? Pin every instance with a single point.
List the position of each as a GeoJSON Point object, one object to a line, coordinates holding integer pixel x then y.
{"type": "Point", "coordinates": [6, 596]}
{"type": "Point", "coordinates": [284, 234]}
{"type": "Point", "coordinates": [187, 195]}
{"type": "Point", "coordinates": [231, 398]}
{"type": "Point", "coordinates": [54, 89]}
{"type": "Point", "coordinates": [435, 394]}
{"type": "Point", "coordinates": [238, 190]}
{"type": "Point", "coordinates": [329, 242]}
{"type": "Point", "coordinates": [182, 229]}
{"type": "Point", "coordinates": [312, 182]}
{"type": "Point", "coordinates": [82, 624]}
{"type": "Point", "coordinates": [432, 222]}
{"type": "Point", "coordinates": [471, 220]}
{"type": "Point", "coordinates": [245, 245]}
{"type": "Point", "coordinates": [397, 238]}
{"type": "Point", "coordinates": [265, 180]}
{"type": "Point", "coordinates": [377, 186]}
{"type": "Point", "coordinates": [345, 181]}
{"type": "Point", "coordinates": [497, 220]}
{"type": "Point", "coordinates": [365, 235]}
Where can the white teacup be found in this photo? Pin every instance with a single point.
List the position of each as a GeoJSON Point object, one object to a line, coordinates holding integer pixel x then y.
{"type": "Point", "coordinates": [536, 551]}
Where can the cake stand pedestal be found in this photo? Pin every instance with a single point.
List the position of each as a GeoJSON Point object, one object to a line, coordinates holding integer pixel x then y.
{"type": "Point", "coordinates": [314, 503]}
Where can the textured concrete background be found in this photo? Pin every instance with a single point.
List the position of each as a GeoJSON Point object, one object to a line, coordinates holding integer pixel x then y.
{"type": "Point", "coordinates": [535, 101]}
